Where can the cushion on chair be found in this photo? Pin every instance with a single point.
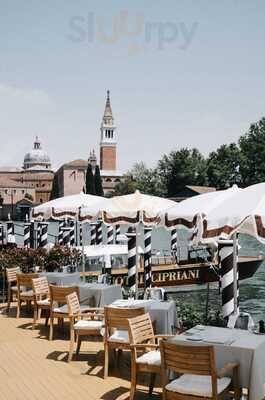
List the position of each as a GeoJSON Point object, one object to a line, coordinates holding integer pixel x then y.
{"type": "Point", "coordinates": [44, 302]}
{"type": "Point", "coordinates": [89, 325]}
{"type": "Point", "coordinates": [151, 357]}
{"type": "Point", "coordinates": [119, 336]}
{"type": "Point", "coordinates": [64, 309]}
{"type": "Point", "coordinates": [27, 293]}
{"type": "Point", "coordinates": [197, 385]}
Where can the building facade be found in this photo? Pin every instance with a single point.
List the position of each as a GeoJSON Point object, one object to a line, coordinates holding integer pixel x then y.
{"type": "Point", "coordinates": [27, 186]}
{"type": "Point", "coordinates": [71, 177]}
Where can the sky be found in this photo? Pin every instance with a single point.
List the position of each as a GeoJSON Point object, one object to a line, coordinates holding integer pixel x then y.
{"type": "Point", "coordinates": [187, 73]}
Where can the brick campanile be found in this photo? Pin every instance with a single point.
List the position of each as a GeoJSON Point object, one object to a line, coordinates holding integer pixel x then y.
{"type": "Point", "coordinates": [108, 142]}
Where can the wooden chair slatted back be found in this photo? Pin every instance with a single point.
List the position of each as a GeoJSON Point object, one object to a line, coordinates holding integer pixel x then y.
{"type": "Point", "coordinates": [11, 274]}
{"type": "Point", "coordinates": [73, 304]}
{"type": "Point", "coordinates": [141, 329]}
{"type": "Point", "coordinates": [195, 360]}
{"type": "Point", "coordinates": [59, 293]}
{"type": "Point", "coordinates": [25, 280]}
{"type": "Point", "coordinates": [41, 286]}
{"type": "Point", "coordinates": [118, 317]}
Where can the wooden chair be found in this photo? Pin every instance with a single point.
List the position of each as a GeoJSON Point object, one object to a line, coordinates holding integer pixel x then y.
{"type": "Point", "coordinates": [143, 339]}
{"type": "Point", "coordinates": [58, 305]}
{"type": "Point", "coordinates": [11, 277]}
{"type": "Point", "coordinates": [24, 289]}
{"type": "Point", "coordinates": [41, 293]}
{"type": "Point", "coordinates": [199, 378]}
{"type": "Point", "coordinates": [116, 319]}
{"type": "Point", "coordinates": [81, 328]}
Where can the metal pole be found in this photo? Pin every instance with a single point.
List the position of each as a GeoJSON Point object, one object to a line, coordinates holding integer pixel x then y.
{"type": "Point", "coordinates": [235, 283]}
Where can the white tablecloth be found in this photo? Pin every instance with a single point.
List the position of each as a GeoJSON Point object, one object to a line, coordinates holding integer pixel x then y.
{"type": "Point", "coordinates": [98, 294]}
{"type": "Point", "coordinates": [235, 345]}
{"type": "Point", "coordinates": [62, 278]}
{"type": "Point", "coordinates": [162, 312]}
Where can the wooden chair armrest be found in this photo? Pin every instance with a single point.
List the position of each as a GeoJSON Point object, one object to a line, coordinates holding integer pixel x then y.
{"type": "Point", "coordinates": [163, 336]}
{"type": "Point", "coordinates": [94, 309]}
{"type": "Point", "coordinates": [143, 346]}
{"type": "Point", "coordinates": [160, 337]}
{"type": "Point", "coordinates": [227, 368]}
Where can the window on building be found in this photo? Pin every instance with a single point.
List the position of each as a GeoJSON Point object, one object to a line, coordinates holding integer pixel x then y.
{"type": "Point", "coordinates": [41, 201]}
{"type": "Point", "coordinates": [6, 191]}
{"type": "Point", "coordinates": [23, 191]}
{"type": "Point", "coordinates": [117, 180]}
{"type": "Point", "coordinates": [14, 192]}
{"type": "Point", "coordinates": [108, 180]}
{"type": "Point", "coordinates": [43, 185]}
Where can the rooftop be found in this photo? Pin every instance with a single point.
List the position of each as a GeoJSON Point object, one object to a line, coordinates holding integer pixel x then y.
{"type": "Point", "coordinates": [202, 189]}
{"type": "Point", "coordinates": [34, 368]}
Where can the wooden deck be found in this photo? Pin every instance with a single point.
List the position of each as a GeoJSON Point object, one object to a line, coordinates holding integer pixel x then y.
{"type": "Point", "coordinates": [32, 368]}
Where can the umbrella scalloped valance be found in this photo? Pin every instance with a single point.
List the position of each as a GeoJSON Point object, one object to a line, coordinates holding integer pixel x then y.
{"type": "Point", "coordinates": [134, 208]}
{"type": "Point", "coordinates": [70, 207]}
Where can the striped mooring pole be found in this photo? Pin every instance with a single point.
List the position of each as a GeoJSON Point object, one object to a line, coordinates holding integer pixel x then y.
{"type": "Point", "coordinates": [27, 235]}
{"type": "Point", "coordinates": [110, 234]}
{"type": "Point", "coordinates": [227, 251]}
{"type": "Point", "coordinates": [131, 235]}
{"type": "Point", "coordinates": [1, 234]}
{"type": "Point", "coordinates": [80, 234]}
{"type": "Point", "coordinates": [117, 233]}
{"type": "Point", "coordinates": [60, 232]}
{"type": "Point", "coordinates": [174, 240]}
{"type": "Point", "coordinates": [10, 232]}
{"type": "Point", "coordinates": [43, 234]}
{"type": "Point", "coordinates": [72, 233]}
{"type": "Point", "coordinates": [93, 234]}
{"type": "Point", "coordinates": [38, 234]}
{"type": "Point", "coordinates": [99, 233]}
{"type": "Point", "coordinates": [147, 257]}
{"type": "Point", "coordinates": [32, 238]}
{"type": "Point", "coordinates": [66, 236]}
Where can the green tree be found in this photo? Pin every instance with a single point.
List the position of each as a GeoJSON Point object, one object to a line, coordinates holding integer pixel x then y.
{"type": "Point", "coordinates": [147, 180]}
{"type": "Point", "coordinates": [181, 168]}
{"type": "Point", "coordinates": [126, 186]}
{"type": "Point", "coordinates": [98, 182]}
{"type": "Point", "coordinates": [252, 146]}
{"type": "Point", "coordinates": [29, 196]}
{"type": "Point", "coordinates": [224, 166]}
{"type": "Point", "coordinates": [90, 181]}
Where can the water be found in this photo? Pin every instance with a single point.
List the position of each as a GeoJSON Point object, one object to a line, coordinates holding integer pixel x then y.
{"type": "Point", "coordinates": [251, 291]}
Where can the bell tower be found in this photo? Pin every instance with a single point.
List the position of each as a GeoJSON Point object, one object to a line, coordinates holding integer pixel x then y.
{"type": "Point", "coordinates": [108, 142]}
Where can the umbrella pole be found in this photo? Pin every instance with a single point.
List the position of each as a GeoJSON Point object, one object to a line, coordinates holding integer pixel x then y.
{"type": "Point", "coordinates": [235, 283]}
{"type": "Point", "coordinates": [137, 261]}
{"type": "Point", "coordinates": [83, 251]}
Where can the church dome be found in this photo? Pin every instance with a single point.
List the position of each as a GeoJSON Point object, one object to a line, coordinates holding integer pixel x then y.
{"type": "Point", "coordinates": [37, 158]}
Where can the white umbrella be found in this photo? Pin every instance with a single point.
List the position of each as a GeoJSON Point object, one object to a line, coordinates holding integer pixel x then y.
{"type": "Point", "coordinates": [244, 213]}
{"type": "Point", "coordinates": [70, 207]}
{"type": "Point", "coordinates": [186, 213]}
{"type": "Point", "coordinates": [134, 208]}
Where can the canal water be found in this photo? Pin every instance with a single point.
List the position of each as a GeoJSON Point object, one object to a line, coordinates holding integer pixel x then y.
{"type": "Point", "coordinates": [251, 291]}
